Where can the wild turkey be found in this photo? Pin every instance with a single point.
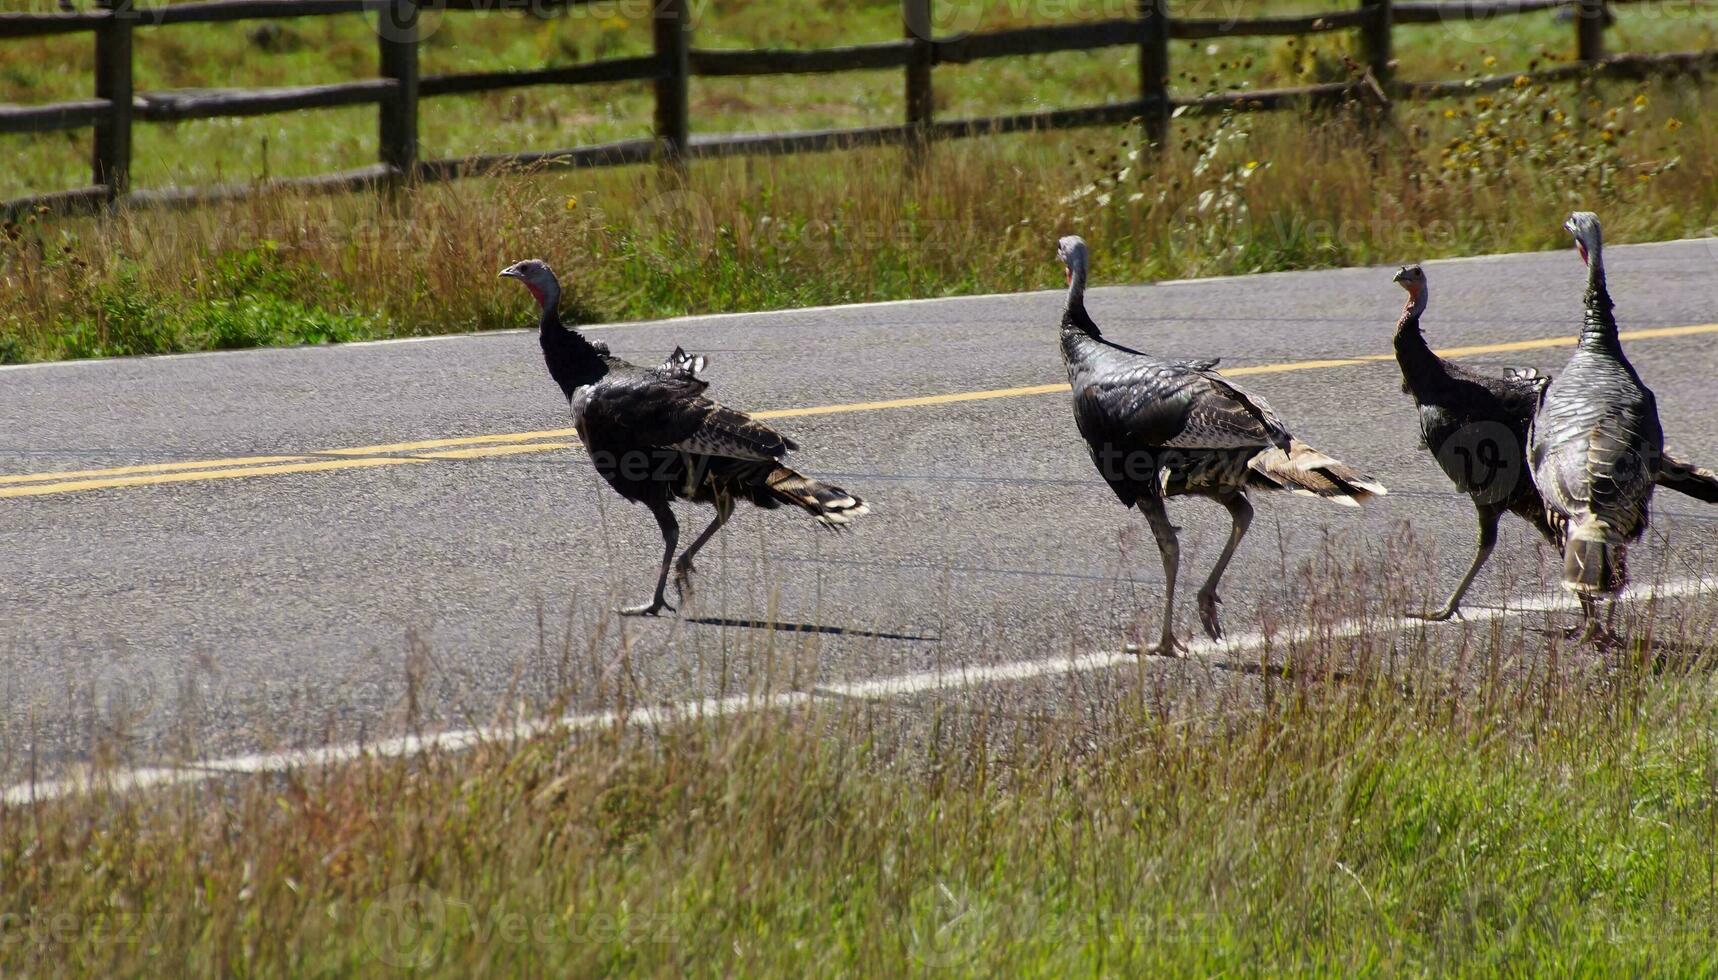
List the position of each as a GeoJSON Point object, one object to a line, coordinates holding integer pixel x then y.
{"type": "Point", "coordinates": [1159, 429]}
{"type": "Point", "coordinates": [1595, 444]}
{"type": "Point", "coordinates": [654, 437]}
{"type": "Point", "coordinates": [1475, 426]}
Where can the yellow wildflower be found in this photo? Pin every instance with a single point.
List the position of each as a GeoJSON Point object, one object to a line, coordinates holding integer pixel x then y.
{"type": "Point", "coordinates": [1522, 81]}
{"type": "Point", "coordinates": [1673, 124]}
{"type": "Point", "coordinates": [573, 202]}
{"type": "Point", "coordinates": [1640, 102]}
{"type": "Point", "coordinates": [1490, 61]}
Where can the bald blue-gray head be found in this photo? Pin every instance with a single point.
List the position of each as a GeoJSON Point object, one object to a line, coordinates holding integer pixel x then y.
{"type": "Point", "coordinates": [538, 278]}
{"type": "Point", "coordinates": [1589, 237]}
{"type": "Point", "coordinates": [1072, 253]}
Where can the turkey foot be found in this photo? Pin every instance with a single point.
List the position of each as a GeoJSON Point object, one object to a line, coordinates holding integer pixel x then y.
{"type": "Point", "coordinates": [683, 570]}
{"type": "Point", "coordinates": [1443, 615]}
{"type": "Point", "coordinates": [1209, 600]}
{"type": "Point", "coordinates": [1168, 646]}
{"type": "Point", "coordinates": [652, 608]}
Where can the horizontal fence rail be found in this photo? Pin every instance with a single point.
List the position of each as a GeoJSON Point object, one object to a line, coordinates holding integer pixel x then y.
{"type": "Point", "coordinates": [400, 87]}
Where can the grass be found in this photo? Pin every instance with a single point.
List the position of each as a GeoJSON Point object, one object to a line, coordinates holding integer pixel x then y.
{"type": "Point", "coordinates": [1486, 802]}
{"type": "Point", "coordinates": [1231, 196]}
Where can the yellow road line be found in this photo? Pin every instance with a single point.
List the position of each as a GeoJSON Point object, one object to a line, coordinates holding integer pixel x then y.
{"type": "Point", "coordinates": [483, 451]}
{"type": "Point", "coordinates": [409, 447]}
{"type": "Point", "coordinates": [203, 464]}
{"type": "Point", "coordinates": [319, 466]}
{"type": "Point", "coordinates": [516, 443]}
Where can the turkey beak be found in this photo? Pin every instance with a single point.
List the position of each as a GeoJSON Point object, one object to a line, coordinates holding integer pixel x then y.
{"type": "Point", "coordinates": [1402, 276]}
{"type": "Point", "coordinates": [511, 272]}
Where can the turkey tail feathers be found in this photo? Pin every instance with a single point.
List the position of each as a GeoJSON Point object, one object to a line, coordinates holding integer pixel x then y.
{"type": "Point", "coordinates": [1591, 563]}
{"type": "Point", "coordinates": [832, 506]}
{"type": "Point", "coordinates": [1688, 479]}
{"type": "Point", "coordinates": [1304, 470]}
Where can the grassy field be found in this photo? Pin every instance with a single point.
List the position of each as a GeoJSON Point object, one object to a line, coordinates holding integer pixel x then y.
{"type": "Point", "coordinates": [1477, 803]}
{"type": "Point", "coordinates": [1231, 195]}
{"type": "Point", "coordinates": [326, 50]}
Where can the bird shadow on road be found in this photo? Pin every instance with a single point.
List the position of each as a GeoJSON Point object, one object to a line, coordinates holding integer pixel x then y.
{"type": "Point", "coordinates": [1283, 671]}
{"type": "Point", "coordinates": [764, 624]}
{"type": "Point", "coordinates": [1659, 656]}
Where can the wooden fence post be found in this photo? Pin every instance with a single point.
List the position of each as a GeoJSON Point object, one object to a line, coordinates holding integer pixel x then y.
{"type": "Point", "coordinates": [1154, 69]}
{"type": "Point", "coordinates": [1377, 41]}
{"type": "Point", "coordinates": [397, 28]}
{"type": "Point", "coordinates": [921, 109]}
{"type": "Point", "coordinates": [111, 166]}
{"type": "Point", "coordinates": [1590, 30]}
{"type": "Point", "coordinates": [672, 29]}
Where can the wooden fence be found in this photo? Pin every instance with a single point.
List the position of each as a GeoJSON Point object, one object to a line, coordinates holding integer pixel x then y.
{"type": "Point", "coordinates": [115, 106]}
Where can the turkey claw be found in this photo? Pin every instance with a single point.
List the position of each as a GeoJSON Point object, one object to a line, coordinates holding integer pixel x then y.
{"type": "Point", "coordinates": [1443, 615]}
{"type": "Point", "coordinates": [647, 609]}
{"type": "Point", "coordinates": [1208, 603]}
{"type": "Point", "coordinates": [1169, 646]}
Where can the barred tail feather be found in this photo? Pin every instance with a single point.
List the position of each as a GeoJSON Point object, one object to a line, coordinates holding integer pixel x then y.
{"type": "Point", "coordinates": [832, 506]}
{"type": "Point", "coordinates": [1592, 559]}
{"type": "Point", "coordinates": [1688, 479]}
{"type": "Point", "coordinates": [1304, 470]}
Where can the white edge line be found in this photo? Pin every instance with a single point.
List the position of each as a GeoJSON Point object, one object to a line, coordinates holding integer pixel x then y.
{"type": "Point", "coordinates": [900, 685]}
{"type": "Point", "coordinates": [789, 311]}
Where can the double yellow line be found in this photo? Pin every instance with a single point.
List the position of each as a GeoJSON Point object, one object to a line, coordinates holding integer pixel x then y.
{"type": "Point", "coordinates": [551, 440]}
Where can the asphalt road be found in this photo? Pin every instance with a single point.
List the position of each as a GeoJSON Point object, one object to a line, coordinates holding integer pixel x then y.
{"type": "Point", "coordinates": [337, 543]}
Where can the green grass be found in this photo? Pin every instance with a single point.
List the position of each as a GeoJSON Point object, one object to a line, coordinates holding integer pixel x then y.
{"type": "Point", "coordinates": [1234, 195]}
{"type": "Point", "coordinates": [334, 49]}
{"type": "Point", "coordinates": [1548, 811]}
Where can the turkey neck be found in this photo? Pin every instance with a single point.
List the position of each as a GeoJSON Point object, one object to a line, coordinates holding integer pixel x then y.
{"type": "Point", "coordinates": [1599, 325]}
{"type": "Point", "coordinates": [1412, 353]}
{"type": "Point", "coordinates": [1077, 326]}
{"type": "Point", "coordinates": [573, 361]}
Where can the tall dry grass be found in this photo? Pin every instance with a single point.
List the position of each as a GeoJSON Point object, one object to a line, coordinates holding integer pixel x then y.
{"type": "Point", "coordinates": [1462, 799]}
{"type": "Point", "coordinates": [1233, 195]}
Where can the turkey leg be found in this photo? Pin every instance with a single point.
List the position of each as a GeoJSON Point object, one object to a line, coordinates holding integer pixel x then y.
{"type": "Point", "coordinates": [670, 538]}
{"type": "Point", "coordinates": [1170, 549]}
{"type": "Point", "coordinates": [1241, 518]}
{"type": "Point", "coordinates": [683, 567]}
{"type": "Point", "coordinates": [1489, 515]}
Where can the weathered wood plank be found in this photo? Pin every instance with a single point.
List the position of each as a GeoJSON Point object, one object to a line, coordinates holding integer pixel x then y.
{"type": "Point", "coordinates": [612, 70]}
{"type": "Point", "coordinates": [175, 105]}
{"type": "Point", "coordinates": [1196, 28]}
{"type": "Point", "coordinates": [15, 25]}
{"type": "Point", "coordinates": [1268, 99]}
{"type": "Point", "coordinates": [616, 154]}
{"type": "Point", "coordinates": [58, 115]}
{"type": "Point", "coordinates": [859, 57]}
{"type": "Point", "coordinates": [224, 11]}
{"type": "Point", "coordinates": [1036, 40]}
{"type": "Point", "coordinates": [78, 200]}
{"type": "Point", "coordinates": [1440, 11]}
